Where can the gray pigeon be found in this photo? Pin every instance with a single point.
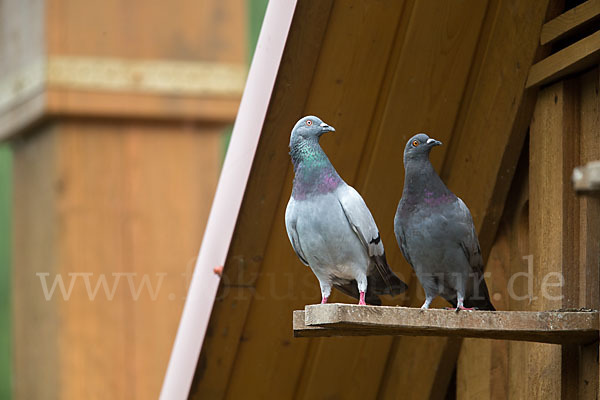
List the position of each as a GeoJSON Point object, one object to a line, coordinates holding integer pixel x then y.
{"type": "Point", "coordinates": [329, 225]}
{"type": "Point", "coordinates": [435, 232]}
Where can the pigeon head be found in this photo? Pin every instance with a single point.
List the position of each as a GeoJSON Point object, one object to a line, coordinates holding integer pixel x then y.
{"type": "Point", "coordinates": [309, 127]}
{"type": "Point", "coordinates": [419, 146]}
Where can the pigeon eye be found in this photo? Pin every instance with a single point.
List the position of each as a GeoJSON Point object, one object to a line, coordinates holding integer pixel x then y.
{"type": "Point", "coordinates": [309, 122]}
{"type": "Point", "coordinates": [415, 143]}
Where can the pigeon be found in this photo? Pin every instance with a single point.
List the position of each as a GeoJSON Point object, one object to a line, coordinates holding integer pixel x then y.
{"type": "Point", "coordinates": [435, 232]}
{"type": "Point", "coordinates": [329, 225]}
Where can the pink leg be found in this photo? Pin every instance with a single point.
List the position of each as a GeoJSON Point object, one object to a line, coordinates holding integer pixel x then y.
{"type": "Point", "coordinates": [362, 299]}
{"type": "Point", "coordinates": [459, 306]}
{"type": "Point", "coordinates": [324, 300]}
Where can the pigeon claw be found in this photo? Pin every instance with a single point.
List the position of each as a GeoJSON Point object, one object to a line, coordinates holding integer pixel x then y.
{"type": "Point", "coordinates": [324, 300]}
{"type": "Point", "coordinates": [461, 308]}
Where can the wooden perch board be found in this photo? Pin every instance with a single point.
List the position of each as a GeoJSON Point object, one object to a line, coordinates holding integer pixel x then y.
{"type": "Point", "coordinates": [354, 320]}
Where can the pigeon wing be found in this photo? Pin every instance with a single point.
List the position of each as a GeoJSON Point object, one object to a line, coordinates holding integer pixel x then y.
{"type": "Point", "coordinates": [401, 239]}
{"type": "Point", "coordinates": [290, 226]}
{"type": "Point", "coordinates": [360, 219]}
{"type": "Point", "coordinates": [470, 246]}
{"type": "Point", "coordinates": [470, 243]}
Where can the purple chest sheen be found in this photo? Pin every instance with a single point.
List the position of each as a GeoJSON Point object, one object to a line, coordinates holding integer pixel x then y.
{"type": "Point", "coordinates": [309, 182]}
{"type": "Point", "coordinates": [435, 200]}
{"type": "Point", "coordinates": [411, 202]}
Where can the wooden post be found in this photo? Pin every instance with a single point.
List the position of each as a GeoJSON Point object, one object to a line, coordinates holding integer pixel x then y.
{"type": "Point", "coordinates": [115, 115]}
{"type": "Point", "coordinates": [589, 225]}
{"type": "Point", "coordinates": [560, 132]}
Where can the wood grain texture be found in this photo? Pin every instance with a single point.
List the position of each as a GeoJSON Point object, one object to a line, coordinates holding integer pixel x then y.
{"type": "Point", "coordinates": [368, 31]}
{"type": "Point", "coordinates": [427, 102]}
{"type": "Point", "coordinates": [247, 252]}
{"type": "Point", "coordinates": [568, 22]}
{"type": "Point", "coordinates": [208, 30]}
{"type": "Point", "coordinates": [75, 103]}
{"type": "Point", "coordinates": [482, 366]}
{"type": "Point", "coordinates": [36, 33]}
{"type": "Point", "coordinates": [553, 213]}
{"type": "Point", "coordinates": [544, 326]}
{"type": "Point", "coordinates": [589, 228]}
{"type": "Point", "coordinates": [575, 58]}
{"type": "Point", "coordinates": [35, 331]}
{"type": "Point", "coordinates": [495, 115]}
{"type": "Point", "coordinates": [124, 203]}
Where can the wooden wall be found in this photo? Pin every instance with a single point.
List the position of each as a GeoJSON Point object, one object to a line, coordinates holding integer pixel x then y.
{"type": "Point", "coordinates": [380, 72]}
{"type": "Point", "coordinates": [546, 232]}
{"type": "Point", "coordinates": [117, 148]}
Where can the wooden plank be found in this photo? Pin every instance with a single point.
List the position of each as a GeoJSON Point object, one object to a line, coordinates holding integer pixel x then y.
{"type": "Point", "coordinates": [65, 101]}
{"type": "Point", "coordinates": [35, 331]}
{"type": "Point", "coordinates": [247, 252]}
{"type": "Point", "coordinates": [566, 23]}
{"type": "Point", "coordinates": [473, 160]}
{"type": "Point", "coordinates": [220, 343]}
{"type": "Point", "coordinates": [575, 58]}
{"type": "Point", "coordinates": [116, 198]}
{"type": "Point", "coordinates": [517, 224]}
{"type": "Point", "coordinates": [554, 148]}
{"type": "Point", "coordinates": [417, 370]}
{"type": "Point", "coordinates": [404, 87]}
{"type": "Point", "coordinates": [495, 90]}
{"type": "Point", "coordinates": [482, 368]}
{"type": "Point", "coordinates": [352, 89]}
{"type": "Point", "coordinates": [587, 178]}
{"type": "Point", "coordinates": [212, 30]}
{"type": "Point", "coordinates": [589, 228]}
{"type": "Point", "coordinates": [544, 326]}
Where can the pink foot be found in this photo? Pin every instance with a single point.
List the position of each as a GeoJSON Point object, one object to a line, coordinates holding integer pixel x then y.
{"type": "Point", "coordinates": [461, 308]}
{"type": "Point", "coordinates": [361, 302]}
{"type": "Point", "coordinates": [324, 300]}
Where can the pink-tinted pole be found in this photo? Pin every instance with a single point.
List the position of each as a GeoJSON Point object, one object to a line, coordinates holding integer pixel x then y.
{"type": "Point", "coordinates": [228, 199]}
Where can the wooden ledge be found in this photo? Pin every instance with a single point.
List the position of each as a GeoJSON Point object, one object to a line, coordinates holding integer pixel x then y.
{"type": "Point", "coordinates": [354, 320]}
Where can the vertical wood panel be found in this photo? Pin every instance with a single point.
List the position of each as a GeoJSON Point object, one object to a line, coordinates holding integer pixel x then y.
{"type": "Point", "coordinates": [589, 225]}
{"type": "Point", "coordinates": [517, 285]}
{"type": "Point", "coordinates": [368, 31]}
{"type": "Point", "coordinates": [554, 240]}
{"type": "Point", "coordinates": [482, 369]}
{"type": "Point", "coordinates": [35, 327]}
{"type": "Point", "coordinates": [180, 29]}
{"type": "Point", "coordinates": [247, 251]}
{"type": "Point", "coordinates": [102, 198]}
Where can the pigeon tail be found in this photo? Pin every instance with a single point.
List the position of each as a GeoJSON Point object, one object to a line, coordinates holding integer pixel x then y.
{"type": "Point", "coordinates": [480, 301]}
{"type": "Point", "coordinates": [385, 281]}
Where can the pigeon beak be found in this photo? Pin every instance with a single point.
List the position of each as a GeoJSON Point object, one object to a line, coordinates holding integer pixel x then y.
{"type": "Point", "coordinates": [326, 128]}
{"type": "Point", "coordinates": [434, 142]}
